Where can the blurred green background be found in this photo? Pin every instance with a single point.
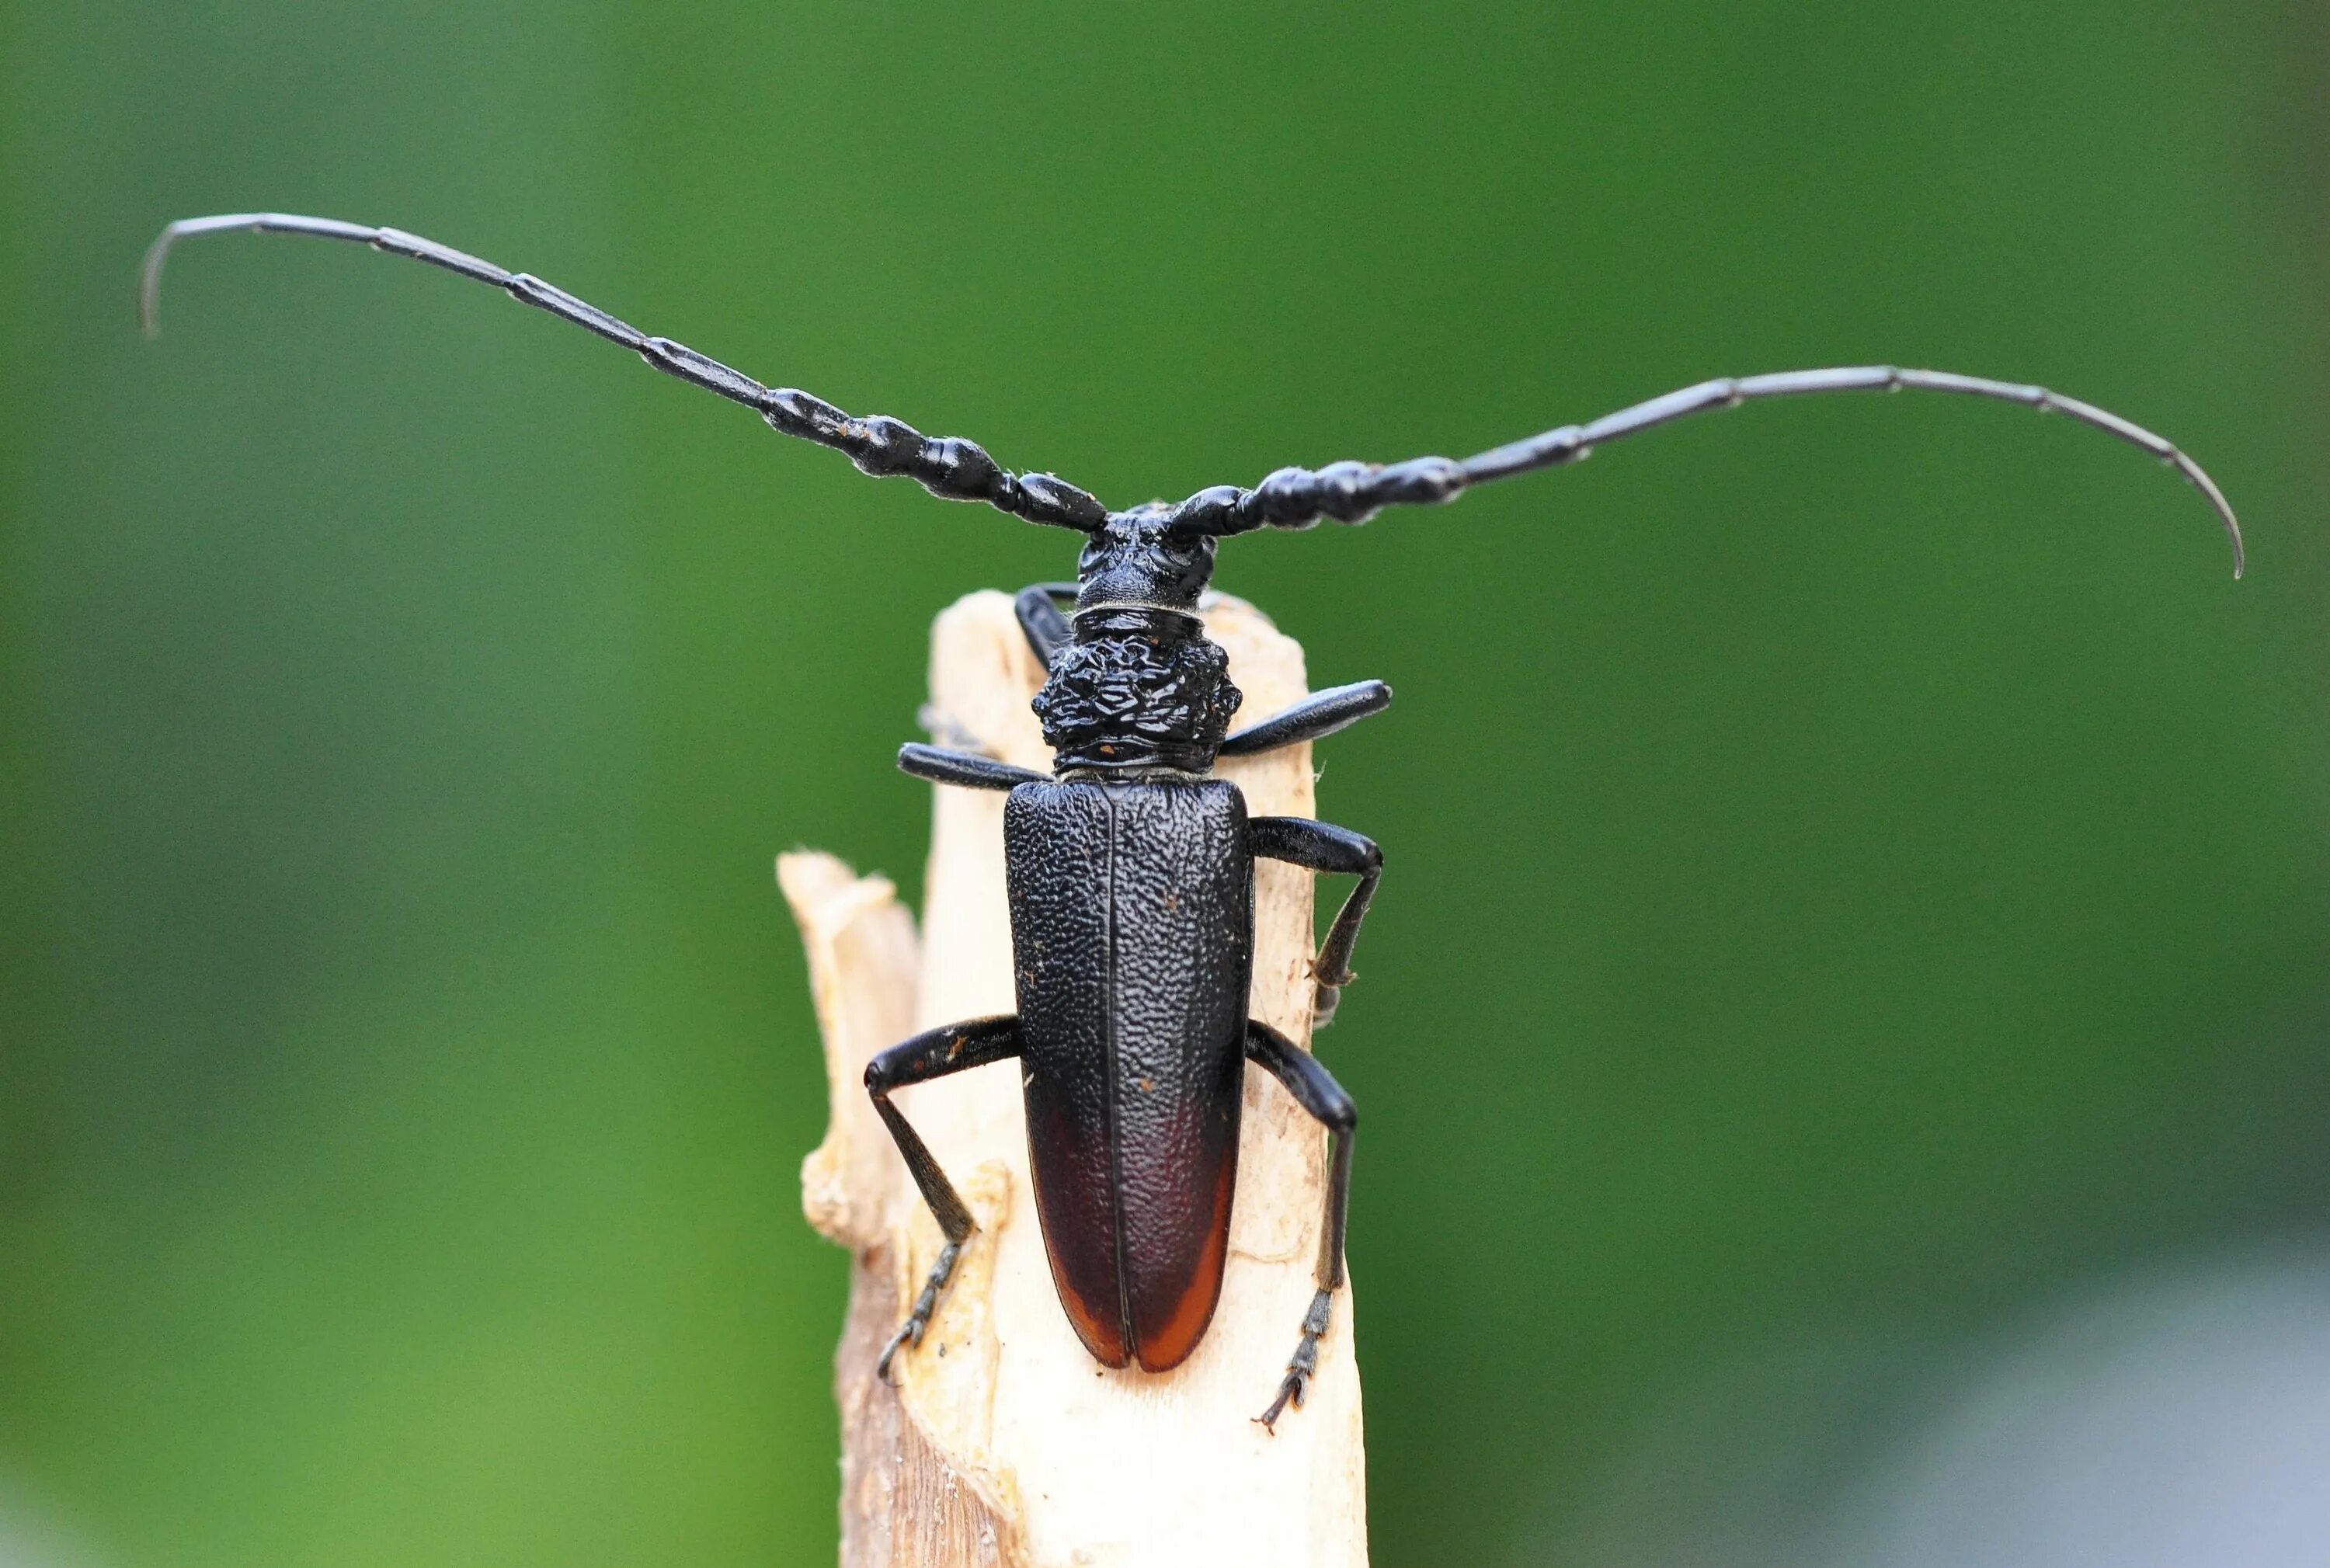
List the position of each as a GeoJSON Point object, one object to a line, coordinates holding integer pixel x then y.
{"type": "Point", "coordinates": [1856, 868]}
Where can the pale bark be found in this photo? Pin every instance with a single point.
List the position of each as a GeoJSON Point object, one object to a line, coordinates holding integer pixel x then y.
{"type": "Point", "coordinates": [1003, 1442]}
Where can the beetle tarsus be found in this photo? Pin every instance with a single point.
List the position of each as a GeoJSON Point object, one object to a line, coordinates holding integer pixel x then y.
{"type": "Point", "coordinates": [910, 1332]}
{"type": "Point", "coordinates": [1315, 1089]}
{"type": "Point", "coordinates": [1304, 1366]}
{"type": "Point", "coordinates": [1327, 983]}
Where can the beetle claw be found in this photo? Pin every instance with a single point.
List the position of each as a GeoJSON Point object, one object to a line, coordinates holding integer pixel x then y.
{"type": "Point", "coordinates": [1289, 1392]}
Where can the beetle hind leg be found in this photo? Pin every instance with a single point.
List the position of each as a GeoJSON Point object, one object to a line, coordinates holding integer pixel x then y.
{"type": "Point", "coordinates": [934, 1053]}
{"type": "Point", "coordinates": [1315, 1089]}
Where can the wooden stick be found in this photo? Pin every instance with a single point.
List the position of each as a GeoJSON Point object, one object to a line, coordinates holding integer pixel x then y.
{"type": "Point", "coordinates": [1003, 1442]}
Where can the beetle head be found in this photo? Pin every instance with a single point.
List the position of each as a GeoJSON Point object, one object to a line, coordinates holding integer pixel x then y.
{"type": "Point", "coordinates": [1138, 557]}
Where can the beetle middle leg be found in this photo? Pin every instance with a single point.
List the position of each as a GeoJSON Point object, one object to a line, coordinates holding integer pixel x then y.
{"type": "Point", "coordinates": [934, 1053]}
{"type": "Point", "coordinates": [1315, 1089]}
{"type": "Point", "coordinates": [1323, 846]}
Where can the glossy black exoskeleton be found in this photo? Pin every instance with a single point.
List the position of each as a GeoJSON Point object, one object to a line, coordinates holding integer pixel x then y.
{"type": "Point", "coordinates": [1131, 867]}
{"type": "Point", "coordinates": [1131, 876]}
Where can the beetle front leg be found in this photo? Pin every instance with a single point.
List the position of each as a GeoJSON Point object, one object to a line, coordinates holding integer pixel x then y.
{"type": "Point", "coordinates": [1315, 1089]}
{"type": "Point", "coordinates": [1323, 846]}
{"type": "Point", "coordinates": [934, 1053]}
{"type": "Point", "coordinates": [1047, 631]}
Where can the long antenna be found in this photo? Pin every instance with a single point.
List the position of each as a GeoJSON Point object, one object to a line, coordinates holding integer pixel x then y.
{"type": "Point", "coordinates": [947, 466]}
{"type": "Point", "coordinates": [1354, 492]}
{"type": "Point", "coordinates": [1293, 498]}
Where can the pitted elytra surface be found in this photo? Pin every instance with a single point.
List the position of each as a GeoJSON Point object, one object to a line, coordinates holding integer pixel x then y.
{"type": "Point", "coordinates": [1133, 923]}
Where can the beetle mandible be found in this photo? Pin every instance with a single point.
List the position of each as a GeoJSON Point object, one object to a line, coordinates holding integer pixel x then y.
{"type": "Point", "coordinates": [1131, 1031]}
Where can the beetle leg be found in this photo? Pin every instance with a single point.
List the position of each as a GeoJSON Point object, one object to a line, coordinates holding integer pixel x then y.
{"type": "Point", "coordinates": [1315, 1089]}
{"type": "Point", "coordinates": [933, 1053]}
{"type": "Point", "coordinates": [967, 769]}
{"type": "Point", "coordinates": [1038, 609]}
{"type": "Point", "coordinates": [1323, 846]}
{"type": "Point", "coordinates": [1314, 718]}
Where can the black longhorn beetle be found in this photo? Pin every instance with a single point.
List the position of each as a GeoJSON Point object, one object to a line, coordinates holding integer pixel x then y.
{"type": "Point", "coordinates": [1132, 1030]}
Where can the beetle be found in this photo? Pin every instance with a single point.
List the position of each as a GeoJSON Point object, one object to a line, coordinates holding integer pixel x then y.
{"type": "Point", "coordinates": [1131, 867]}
